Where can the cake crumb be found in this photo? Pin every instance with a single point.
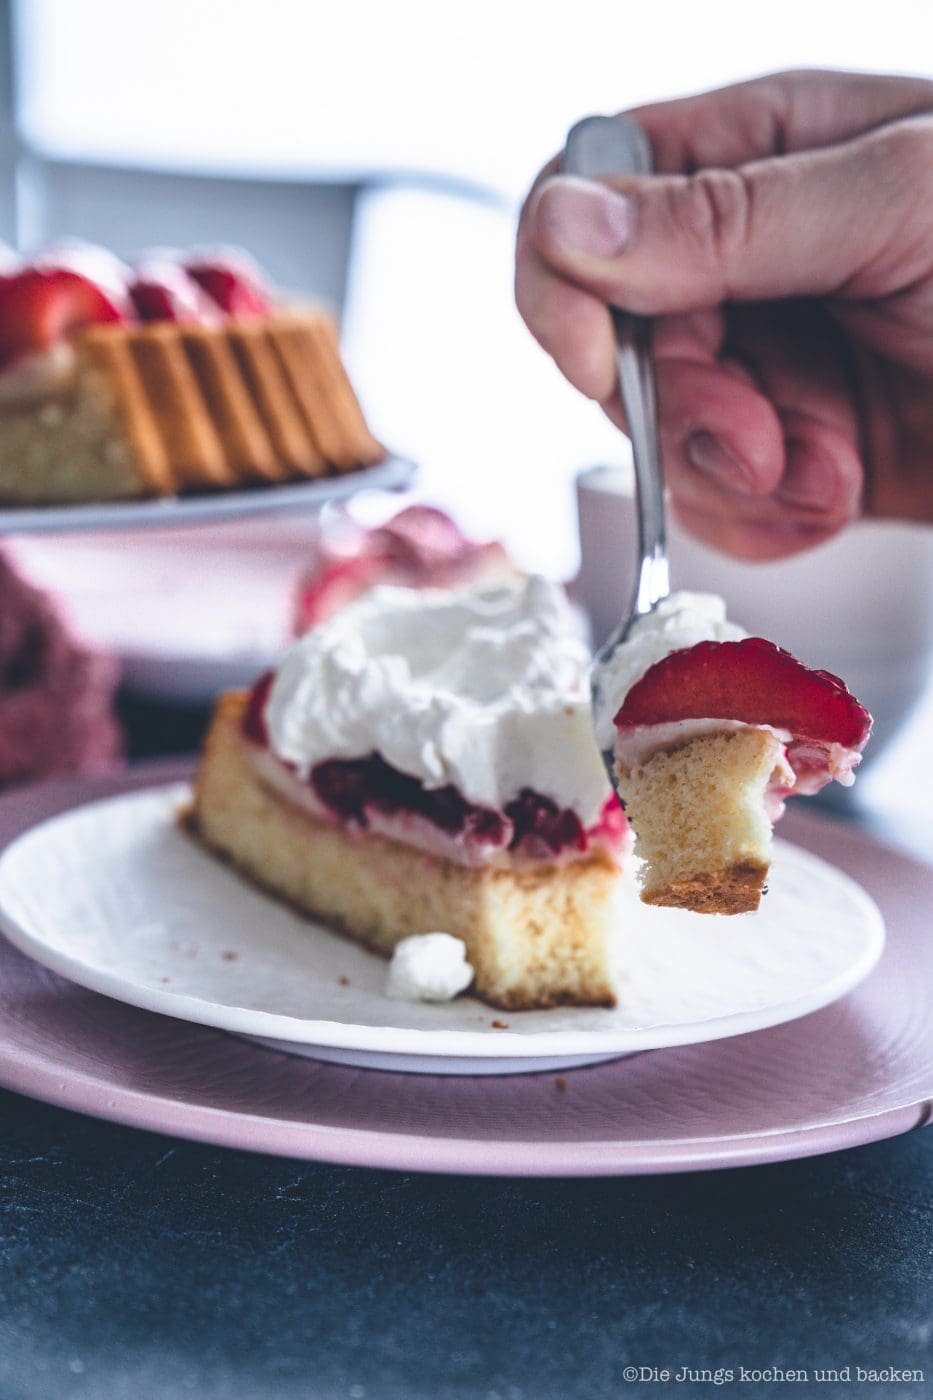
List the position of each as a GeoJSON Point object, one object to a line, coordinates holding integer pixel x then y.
{"type": "Point", "coordinates": [499, 1025]}
{"type": "Point", "coordinates": [344, 981]}
{"type": "Point", "coordinates": [560, 1083]}
{"type": "Point", "coordinates": [229, 957]}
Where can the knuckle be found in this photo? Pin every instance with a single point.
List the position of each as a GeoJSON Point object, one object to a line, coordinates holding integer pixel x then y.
{"type": "Point", "coordinates": [714, 213]}
{"type": "Point", "coordinates": [905, 149]}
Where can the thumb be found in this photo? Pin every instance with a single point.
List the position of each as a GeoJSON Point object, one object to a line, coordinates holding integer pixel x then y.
{"type": "Point", "coordinates": [844, 219]}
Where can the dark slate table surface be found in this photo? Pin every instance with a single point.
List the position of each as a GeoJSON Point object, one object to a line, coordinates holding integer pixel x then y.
{"type": "Point", "coordinates": [139, 1266]}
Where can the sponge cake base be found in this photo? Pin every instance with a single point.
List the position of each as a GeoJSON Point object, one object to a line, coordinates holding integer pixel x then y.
{"type": "Point", "coordinates": [700, 821]}
{"type": "Point", "coordinates": [537, 934]}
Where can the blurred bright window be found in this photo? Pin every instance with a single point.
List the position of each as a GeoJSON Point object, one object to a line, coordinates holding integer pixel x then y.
{"type": "Point", "coordinates": [485, 90]}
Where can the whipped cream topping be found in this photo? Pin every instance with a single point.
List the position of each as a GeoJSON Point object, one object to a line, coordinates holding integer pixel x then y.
{"type": "Point", "coordinates": [635, 745]}
{"type": "Point", "coordinates": [486, 690]}
{"type": "Point", "coordinates": [681, 620]}
{"type": "Point", "coordinates": [817, 764]}
{"type": "Point", "coordinates": [428, 967]}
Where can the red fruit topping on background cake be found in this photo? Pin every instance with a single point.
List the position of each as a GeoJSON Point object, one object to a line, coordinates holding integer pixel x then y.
{"type": "Point", "coordinates": [96, 264]}
{"type": "Point", "coordinates": [338, 584]}
{"type": "Point", "coordinates": [753, 681]}
{"type": "Point", "coordinates": [163, 291]}
{"type": "Point", "coordinates": [74, 284]}
{"type": "Point", "coordinates": [232, 280]}
{"type": "Point", "coordinates": [421, 539]}
{"type": "Point", "coordinates": [420, 547]}
{"type": "Point", "coordinates": [40, 306]}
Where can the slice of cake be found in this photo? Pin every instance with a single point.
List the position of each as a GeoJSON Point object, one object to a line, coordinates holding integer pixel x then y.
{"type": "Point", "coordinates": [419, 547]}
{"type": "Point", "coordinates": [425, 761]}
{"type": "Point", "coordinates": [712, 730]}
{"type": "Point", "coordinates": [176, 376]}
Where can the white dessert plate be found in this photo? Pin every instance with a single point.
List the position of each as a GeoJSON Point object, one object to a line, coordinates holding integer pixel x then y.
{"type": "Point", "coordinates": [390, 475]}
{"type": "Point", "coordinates": [116, 897]}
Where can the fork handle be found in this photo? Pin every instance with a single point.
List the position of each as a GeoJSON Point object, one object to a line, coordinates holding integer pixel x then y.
{"type": "Point", "coordinates": [600, 146]}
{"type": "Point", "coordinates": [636, 388]}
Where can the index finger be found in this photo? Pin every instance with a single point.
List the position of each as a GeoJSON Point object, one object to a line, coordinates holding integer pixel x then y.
{"type": "Point", "coordinates": [776, 115]}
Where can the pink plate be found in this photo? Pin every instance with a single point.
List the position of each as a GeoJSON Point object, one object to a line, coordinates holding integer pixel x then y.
{"type": "Point", "coordinates": [855, 1072]}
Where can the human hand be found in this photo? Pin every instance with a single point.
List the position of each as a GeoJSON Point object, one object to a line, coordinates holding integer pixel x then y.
{"type": "Point", "coordinates": [785, 248]}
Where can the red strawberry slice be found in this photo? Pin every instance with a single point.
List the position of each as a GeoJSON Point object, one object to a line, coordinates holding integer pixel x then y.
{"type": "Point", "coordinates": [163, 291]}
{"type": "Point", "coordinates": [233, 280]}
{"type": "Point", "coordinates": [753, 681]}
{"type": "Point", "coordinates": [41, 306]}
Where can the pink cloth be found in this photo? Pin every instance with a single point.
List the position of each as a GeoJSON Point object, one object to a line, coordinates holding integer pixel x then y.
{"type": "Point", "coordinates": [56, 693]}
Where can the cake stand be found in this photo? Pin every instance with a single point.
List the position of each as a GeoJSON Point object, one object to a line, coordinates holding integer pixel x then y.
{"type": "Point", "coordinates": [394, 474]}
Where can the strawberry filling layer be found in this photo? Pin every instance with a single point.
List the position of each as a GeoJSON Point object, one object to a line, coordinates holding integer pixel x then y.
{"type": "Point", "coordinates": [368, 793]}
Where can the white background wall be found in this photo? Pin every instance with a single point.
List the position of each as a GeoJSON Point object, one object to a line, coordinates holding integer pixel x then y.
{"type": "Point", "coordinates": [486, 89]}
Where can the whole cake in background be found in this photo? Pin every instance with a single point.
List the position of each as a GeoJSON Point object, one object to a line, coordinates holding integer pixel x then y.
{"type": "Point", "coordinates": [425, 761]}
{"type": "Point", "coordinates": [182, 373]}
{"type": "Point", "coordinates": [712, 730]}
{"type": "Point", "coordinates": [56, 693]}
{"type": "Point", "coordinates": [418, 547]}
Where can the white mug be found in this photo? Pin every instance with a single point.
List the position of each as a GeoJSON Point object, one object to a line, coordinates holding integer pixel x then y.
{"type": "Point", "coordinates": [860, 606]}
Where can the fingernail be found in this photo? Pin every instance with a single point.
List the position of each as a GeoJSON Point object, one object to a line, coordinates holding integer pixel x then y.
{"type": "Point", "coordinates": [709, 456]}
{"type": "Point", "coordinates": [809, 480]}
{"type": "Point", "coordinates": [583, 216]}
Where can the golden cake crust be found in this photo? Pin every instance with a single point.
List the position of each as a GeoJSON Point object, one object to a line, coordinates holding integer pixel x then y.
{"type": "Point", "coordinates": [169, 407]}
{"type": "Point", "coordinates": [734, 890]}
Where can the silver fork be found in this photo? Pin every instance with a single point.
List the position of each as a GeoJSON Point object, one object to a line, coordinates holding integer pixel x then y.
{"type": "Point", "coordinates": [597, 147]}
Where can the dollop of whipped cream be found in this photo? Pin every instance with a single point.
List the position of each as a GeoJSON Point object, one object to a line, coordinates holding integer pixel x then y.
{"type": "Point", "coordinates": [681, 620]}
{"type": "Point", "coordinates": [428, 967]}
{"type": "Point", "coordinates": [487, 690]}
